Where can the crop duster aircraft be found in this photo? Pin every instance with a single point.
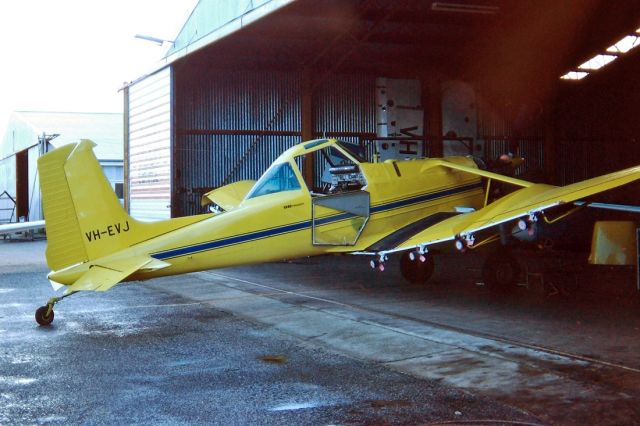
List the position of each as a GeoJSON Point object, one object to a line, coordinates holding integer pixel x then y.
{"type": "Point", "coordinates": [376, 209]}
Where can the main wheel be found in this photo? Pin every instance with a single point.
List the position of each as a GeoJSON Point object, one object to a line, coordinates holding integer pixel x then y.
{"type": "Point", "coordinates": [415, 271]}
{"type": "Point", "coordinates": [41, 315]}
{"type": "Point", "coordinates": [501, 271]}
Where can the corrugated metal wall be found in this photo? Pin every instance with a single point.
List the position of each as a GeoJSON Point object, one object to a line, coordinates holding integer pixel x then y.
{"type": "Point", "coordinates": [232, 125]}
{"type": "Point", "coordinates": [345, 107]}
{"type": "Point", "coordinates": [521, 133]}
{"type": "Point", "coordinates": [150, 146]}
{"type": "Point", "coordinates": [345, 104]}
{"type": "Point", "coordinates": [206, 162]}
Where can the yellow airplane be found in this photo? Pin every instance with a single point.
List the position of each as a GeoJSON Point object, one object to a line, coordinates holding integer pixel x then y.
{"type": "Point", "coordinates": [375, 209]}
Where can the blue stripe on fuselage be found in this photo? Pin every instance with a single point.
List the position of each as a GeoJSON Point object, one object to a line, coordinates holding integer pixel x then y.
{"type": "Point", "coordinates": [231, 240]}
{"type": "Point", "coordinates": [425, 197]}
{"type": "Point", "coordinates": [251, 236]}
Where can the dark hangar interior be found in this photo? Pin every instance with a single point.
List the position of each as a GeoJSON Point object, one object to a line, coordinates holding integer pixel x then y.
{"type": "Point", "coordinates": [499, 75]}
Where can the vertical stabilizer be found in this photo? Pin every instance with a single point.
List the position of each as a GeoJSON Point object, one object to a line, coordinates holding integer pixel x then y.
{"type": "Point", "coordinates": [65, 246]}
{"type": "Point", "coordinates": [84, 218]}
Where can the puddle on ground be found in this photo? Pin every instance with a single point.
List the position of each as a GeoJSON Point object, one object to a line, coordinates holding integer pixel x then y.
{"type": "Point", "coordinates": [51, 419]}
{"type": "Point", "coordinates": [297, 406]}
{"type": "Point", "coordinates": [274, 359]}
{"type": "Point", "coordinates": [21, 359]}
{"type": "Point", "coordinates": [108, 327]}
{"type": "Point", "coordinates": [17, 380]}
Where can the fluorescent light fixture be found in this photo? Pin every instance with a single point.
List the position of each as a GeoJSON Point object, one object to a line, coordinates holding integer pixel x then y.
{"type": "Point", "coordinates": [464, 8]}
{"type": "Point", "coordinates": [575, 75]}
{"type": "Point", "coordinates": [597, 62]}
{"type": "Point", "coordinates": [625, 44]}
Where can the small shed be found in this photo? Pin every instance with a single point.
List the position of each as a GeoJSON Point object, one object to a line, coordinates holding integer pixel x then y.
{"type": "Point", "coordinates": [30, 134]}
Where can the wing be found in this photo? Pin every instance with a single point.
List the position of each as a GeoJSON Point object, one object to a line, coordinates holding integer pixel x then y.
{"type": "Point", "coordinates": [23, 226]}
{"type": "Point", "coordinates": [479, 172]}
{"type": "Point", "coordinates": [526, 201]}
{"type": "Point", "coordinates": [104, 275]}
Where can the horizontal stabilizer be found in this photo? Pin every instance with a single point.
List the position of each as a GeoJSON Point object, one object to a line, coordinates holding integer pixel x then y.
{"type": "Point", "coordinates": [229, 196]}
{"type": "Point", "coordinates": [98, 278]}
{"type": "Point", "coordinates": [103, 276]}
{"type": "Point", "coordinates": [154, 265]}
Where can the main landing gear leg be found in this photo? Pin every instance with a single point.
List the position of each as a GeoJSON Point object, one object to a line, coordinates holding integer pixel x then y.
{"type": "Point", "coordinates": [501, 271]}
{"type": "Point", "coordinates": [44, 314]}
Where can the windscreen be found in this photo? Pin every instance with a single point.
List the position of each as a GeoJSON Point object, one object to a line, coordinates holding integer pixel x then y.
{"type": "Point", "coordinates": [278, 178]}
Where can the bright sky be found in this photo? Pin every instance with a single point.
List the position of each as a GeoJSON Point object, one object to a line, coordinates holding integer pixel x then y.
{"type": "Point", "coordinates": [74, 55]}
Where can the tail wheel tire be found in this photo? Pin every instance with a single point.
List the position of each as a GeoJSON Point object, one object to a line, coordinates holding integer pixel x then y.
{"type": "Point", "coordinates": [501, 271]}
{"type": "Point", "coordinates": [414, 271]}
{"type": "Point", "coordinates": [41, 315]}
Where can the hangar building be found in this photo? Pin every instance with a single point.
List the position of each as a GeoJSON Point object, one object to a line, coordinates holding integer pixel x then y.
{"type": "Point", "coordinates": [553, 81]}
{"type": "Point", "coordinates": [30, 134]}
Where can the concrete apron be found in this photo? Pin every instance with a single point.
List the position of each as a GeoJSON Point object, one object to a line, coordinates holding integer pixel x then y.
{"type": "Point", "coordinates": [548, 383]}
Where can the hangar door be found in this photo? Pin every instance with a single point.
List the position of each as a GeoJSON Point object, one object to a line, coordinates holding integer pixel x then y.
{"type": "Point", "coordinates": [149, 146]}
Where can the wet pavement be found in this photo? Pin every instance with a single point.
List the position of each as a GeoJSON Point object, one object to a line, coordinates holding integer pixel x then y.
{"type": "Point", "coordinates": [142, 354]}
{"type": "Point", "coordinates": [315, 341]}
{"type": "Point", "coordinates": [566, 361]}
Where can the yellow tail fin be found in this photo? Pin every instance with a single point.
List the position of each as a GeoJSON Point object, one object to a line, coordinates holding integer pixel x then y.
{"type": "Point", "coordinates": [84, 218]}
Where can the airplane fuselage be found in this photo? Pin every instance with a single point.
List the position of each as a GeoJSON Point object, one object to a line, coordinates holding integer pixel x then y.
{"type": "Point", "coordinates": [280, 226]}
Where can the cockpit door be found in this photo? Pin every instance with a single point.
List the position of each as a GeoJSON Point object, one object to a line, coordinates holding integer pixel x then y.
{"type": "Point", "coordinates": [339, 219]}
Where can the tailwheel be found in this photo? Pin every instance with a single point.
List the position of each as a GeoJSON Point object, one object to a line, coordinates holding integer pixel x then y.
{"type": "Point", "coordinates": [44, 315]}
{"type": "Point", "coordinates": [417, 269]}
{"type": "Point", "coordinates": [501, 271]}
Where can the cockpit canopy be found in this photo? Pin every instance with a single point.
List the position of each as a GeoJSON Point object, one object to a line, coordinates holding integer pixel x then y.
{"type": "Point", "coordinates": [335, 163]}
{"type": "Point", "coordinates": [279, 177]}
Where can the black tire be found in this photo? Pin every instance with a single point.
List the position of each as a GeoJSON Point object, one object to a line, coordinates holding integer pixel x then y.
{"type": "Point", "coordinates": [501, 271]}
{"type": "Point", "coordinates": [414, 271]}
{"type": "Point", "coordinates": [41, 315]}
